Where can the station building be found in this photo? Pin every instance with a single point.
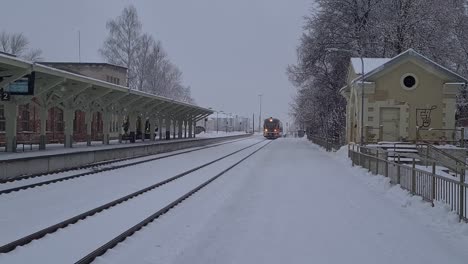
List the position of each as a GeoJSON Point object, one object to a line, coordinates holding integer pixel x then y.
{"type": "Point", "coordinates": [70, 102]}
{"type": "Point", "coordinates": [28, 120]}
{"type": "Point", "coordinates": [405, 98]}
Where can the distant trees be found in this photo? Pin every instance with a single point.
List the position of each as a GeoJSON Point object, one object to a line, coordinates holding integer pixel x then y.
{"type": "Point", "coordinates": [149, 68]}
{"type": "Point", "coordinates": [373, 28]}
{"type": "Point", "coordinates": [17, 44]}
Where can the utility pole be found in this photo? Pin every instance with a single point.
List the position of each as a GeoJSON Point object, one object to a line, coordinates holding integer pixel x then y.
{"type": "Point", "coordinates": [260, 114]}
{"type": "Point", "coordinates": [253, 123]}
{"type": "Point", "coordinates": [79, 46]}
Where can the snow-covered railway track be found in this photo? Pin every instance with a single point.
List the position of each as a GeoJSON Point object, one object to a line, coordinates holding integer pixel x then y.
{"type": "Point", "coordinates": [26, 182]}
{"type": "Point", "coordinates": [137, 208]}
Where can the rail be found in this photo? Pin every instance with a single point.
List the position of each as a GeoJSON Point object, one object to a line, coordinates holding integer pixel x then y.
{"type": "Point", "coordinates": [429, 185]}
{"type": "Point", "coordinates": [96, 168]}
{"type": "Point", "coordinates": [70, 221]}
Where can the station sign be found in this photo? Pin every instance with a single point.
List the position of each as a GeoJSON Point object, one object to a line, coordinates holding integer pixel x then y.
{"type": "Point", "coordinates": [4, 96]}
{"type": "Point", "coordinates": [22, 86]}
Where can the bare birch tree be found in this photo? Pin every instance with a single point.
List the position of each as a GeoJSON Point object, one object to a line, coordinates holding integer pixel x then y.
{"type": "Point", "coordinates": [123, 42]}
{"type": "Point", "coordinates": [17, 44]}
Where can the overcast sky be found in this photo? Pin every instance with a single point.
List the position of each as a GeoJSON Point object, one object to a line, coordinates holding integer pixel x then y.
{"type": "Point", "coordinates": [229, 51]}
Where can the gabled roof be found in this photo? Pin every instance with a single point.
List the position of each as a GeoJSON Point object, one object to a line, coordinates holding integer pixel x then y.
{"type": "Point", "coordinates": [370, 64]}
{"type": "Point", "coordinates": [382, 64]}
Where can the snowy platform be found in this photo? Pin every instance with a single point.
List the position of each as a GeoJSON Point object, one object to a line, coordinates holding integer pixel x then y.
{"type": "Point", "coordinates": [58, 158]}
{"type": "Point", "coordinates": [58, 149]}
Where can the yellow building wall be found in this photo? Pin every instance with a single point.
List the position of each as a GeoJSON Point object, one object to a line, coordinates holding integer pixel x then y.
{"type": "Point", "coordinates": [428, 93]}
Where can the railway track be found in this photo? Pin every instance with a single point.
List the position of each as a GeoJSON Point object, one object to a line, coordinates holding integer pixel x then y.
{"type": "Point", "coordinates": [136, 198]}
{"type": "Point", "coordinates": [26, 182]}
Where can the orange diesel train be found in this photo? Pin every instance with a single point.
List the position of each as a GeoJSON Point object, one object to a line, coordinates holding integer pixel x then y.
{"type": "Point", "coordinates": [272, 128]}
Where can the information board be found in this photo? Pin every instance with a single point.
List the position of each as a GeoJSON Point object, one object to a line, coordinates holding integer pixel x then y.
{"type": "Point", "coordinates": [22, 86]}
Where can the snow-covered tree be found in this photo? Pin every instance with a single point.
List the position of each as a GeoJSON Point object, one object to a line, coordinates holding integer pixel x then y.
{"type": "Point", "coordinates": [122, 44]}
{"type": "Point", "coordinates": [149, 68]}
{"type": "Point", "coordinates": [371, 28]}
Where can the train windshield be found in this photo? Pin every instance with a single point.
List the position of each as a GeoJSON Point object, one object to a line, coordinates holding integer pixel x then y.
{"type": "Point", "coordinates": [271, 125]}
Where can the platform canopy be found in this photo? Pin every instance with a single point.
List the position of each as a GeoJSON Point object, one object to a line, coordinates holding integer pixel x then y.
{"type": "Point", "coordinates": [58, 88]}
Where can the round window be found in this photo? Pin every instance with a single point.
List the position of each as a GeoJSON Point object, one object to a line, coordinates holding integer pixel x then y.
{"type": "Point", "coordinates": [409, 81]}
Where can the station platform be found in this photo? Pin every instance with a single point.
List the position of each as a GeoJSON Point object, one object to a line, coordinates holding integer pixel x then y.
{"type": "Point", "coordinates": [57, 158]}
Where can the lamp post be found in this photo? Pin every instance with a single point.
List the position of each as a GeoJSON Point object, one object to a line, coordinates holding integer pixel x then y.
{"type": "Point", "coordinates": [362, 86]}
{"type": "Point", "coordinates": [260, 115]}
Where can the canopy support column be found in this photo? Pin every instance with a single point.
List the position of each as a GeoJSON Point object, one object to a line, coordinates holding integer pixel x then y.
{"type": "Point", "coordinates": [179, 129]}
{"type": "Point", "coordinates": [106, 124]}
{"type": "Point", "coordinates": [168, 128]}
{"type": "Point", "coordinates": [11, 112]}
{"type": "Point", "coordinates": [43, 111]}
{"type": "Point", "coordinates": [160, 124]}
{"type": "Point", "coordinates": [119, 125]}
{"type": "Point", "coordinates": [132, 119]}
{"type": "Point", "coordinates": [89, 123]}
{"type": "Point", "coordinates": [69, 116]}
{"type": "Point", "coordinates": [190, 124]}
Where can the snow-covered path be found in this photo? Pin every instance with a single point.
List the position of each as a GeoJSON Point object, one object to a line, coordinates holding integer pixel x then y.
{"type": "Point", "coordinates": [293, 203]}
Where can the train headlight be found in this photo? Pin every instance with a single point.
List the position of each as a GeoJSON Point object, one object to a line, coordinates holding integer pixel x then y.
{"type": "Point", "coordinates": [275, 130]}
{"type": "Point", "coordinates": [266, 130]}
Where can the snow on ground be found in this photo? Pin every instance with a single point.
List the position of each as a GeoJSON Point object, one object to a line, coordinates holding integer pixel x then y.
{"type": "Point", "coordinates": [30, 210]}
{"type": "Point", "coordinates": [294, 203]}
{"type": "Point", "coordinates": [53, 176]}
{"type": "Point", "coordinates": [77, 240]}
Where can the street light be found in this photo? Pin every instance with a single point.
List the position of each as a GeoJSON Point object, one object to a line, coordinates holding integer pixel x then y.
{"type": "Point", "coordinates": [260, 116]}
{"type": "Point", "coordinates": [362, 85]}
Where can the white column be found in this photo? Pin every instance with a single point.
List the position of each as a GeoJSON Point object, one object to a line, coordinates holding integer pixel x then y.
{"type": "Point", "coordinates": [69, 116]}
{"type": "Point", "coordinates": [152, 123]}
{"type": "Point", "coordinates": [167, 128]}
{"type": "Point", "coordinates": [190, 124]}
{"type": "Point", "coordinates": [194, 129]}
{"type": "Point", "coordinates": [88, 121]}
{"type": "Point", "coordinates": [11, 113]}
{"type": "Point", "coordinates": [132, 118]}
{"type": "Point", "coordinates": [43, 113]}
{"type": "Point", "coordinates": [179, 129]}
{"type": "Point", "coordinates": [142, 127]}
{"type": "Point", "coordinates": [119, 125]}
{"type": "Point", "coordinates": [106, 123]}
{"type": "Point", "coordinates": [160, 124]}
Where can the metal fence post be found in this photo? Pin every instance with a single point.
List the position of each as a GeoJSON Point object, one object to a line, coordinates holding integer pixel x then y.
{"type": "Point", "coordinates": [377, 162]}
{"type": "Point", "coordinates": [398, 170]}
{"type": "Point", "coordinates": [386, 164]}
{"type": "Point", "coordinates": [433, 194]}
{"type": "Point", "coordinates": [369, 161]}
{"type": "Point", "coordinates": [462, 193]}
{"type": "Point", "coordinates": [360, 156]}
{"type": "Point", "coordinates": [413, 177]}
{"type": "Point", "coordinates": [427, 155]}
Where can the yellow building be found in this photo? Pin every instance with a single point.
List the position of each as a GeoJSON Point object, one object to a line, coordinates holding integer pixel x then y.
{"type": "Point", "coordinates": [405, 97]}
